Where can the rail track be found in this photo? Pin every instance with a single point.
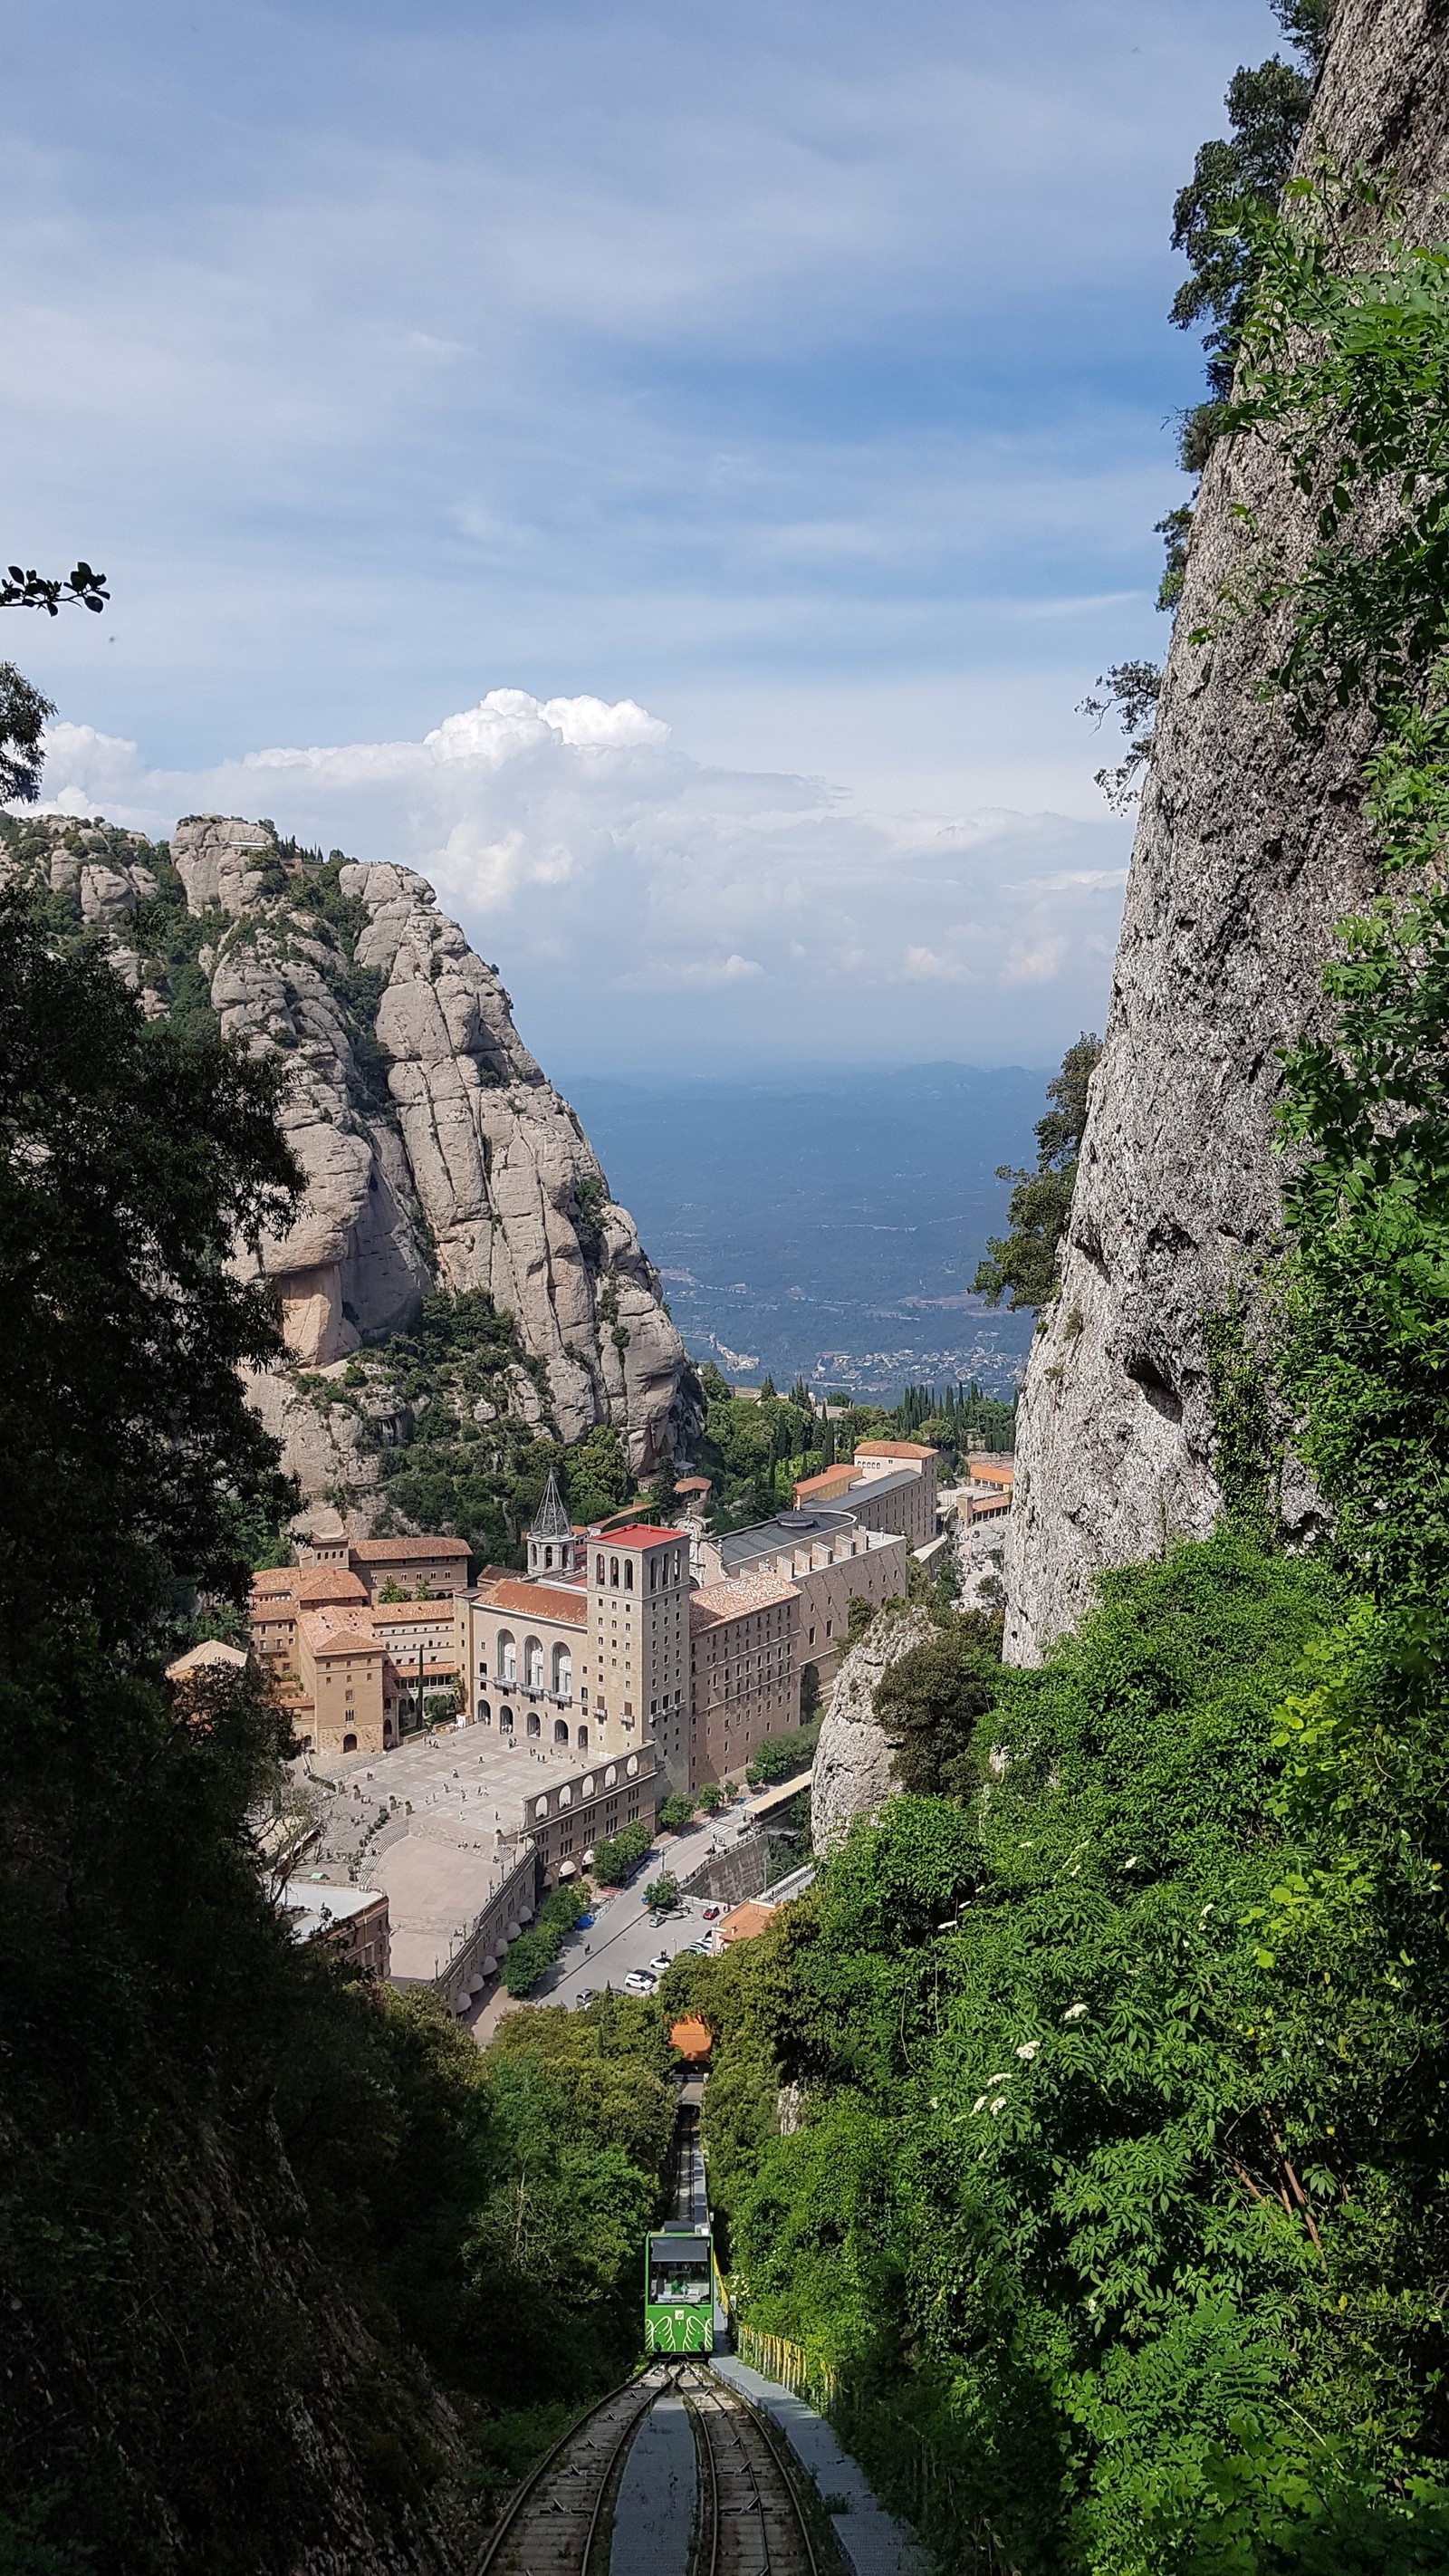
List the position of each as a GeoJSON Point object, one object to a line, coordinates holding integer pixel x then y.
{"type": "Point", "coordinates": [751, 2521]}
{"type": "Point", "coordinates": [550, 2527]}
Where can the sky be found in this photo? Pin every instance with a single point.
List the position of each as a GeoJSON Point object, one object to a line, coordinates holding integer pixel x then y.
{"type": "Point", "coordinates": [668, 474]}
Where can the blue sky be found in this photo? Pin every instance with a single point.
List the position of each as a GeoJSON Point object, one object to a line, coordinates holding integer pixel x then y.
{"type": "Point", "coordinates": [797, 375]}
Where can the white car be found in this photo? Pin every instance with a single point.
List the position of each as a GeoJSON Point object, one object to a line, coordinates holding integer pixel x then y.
{"type": "Point", "coordinates": [639, 1982]}
{"type": "Point", "coordinates": [658, 1966]}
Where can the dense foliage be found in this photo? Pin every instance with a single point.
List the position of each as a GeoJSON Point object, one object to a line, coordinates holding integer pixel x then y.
{"type": "Point", "coordinates": [254, 2217]}
{"type": "Point", "coordinates": [530, 1957]}
{"type": "Point", "coordinates": [1022, 1265]}
{"type": "Point", "coordinates": [1113, 2185]}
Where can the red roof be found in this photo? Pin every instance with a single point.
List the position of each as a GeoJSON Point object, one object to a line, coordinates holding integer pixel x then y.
{"type": "Point", "coordinates": [535, 1601]}
{"type": "Point", "coordinates": [892, 1449]}
{"type": "Point", "coordinates": [639, 1534]}
{"type": "Point", "coordinates": [395, 1551]}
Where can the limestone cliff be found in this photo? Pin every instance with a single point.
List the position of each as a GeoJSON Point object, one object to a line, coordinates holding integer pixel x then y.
{"type": "Point", "coordinates": [435, 1151]}
{"type": "Point", "coordinates": [1248, 849]}
{"type": "Point", "coordinates": [852, 1773]}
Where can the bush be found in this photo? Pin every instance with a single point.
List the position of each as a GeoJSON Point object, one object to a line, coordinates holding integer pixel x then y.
{"type": "Point", "coordinates": [534, 1952]}
{"type": "Point", "coordinates": [676, 1813]}
{"type": "Point", "coordinates": [619, 1854]}
{"type": "Point", "coordinates": [711, 1798]}
{"type": "Point", "coordinates": [663, 1892]}
{"type": "Point", "coordinates": [779, 1755]}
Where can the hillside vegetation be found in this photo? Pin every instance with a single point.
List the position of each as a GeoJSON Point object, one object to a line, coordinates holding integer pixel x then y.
{"type": "Point", "coordinates": [283, 2257]}
{"type": "Point", "coordinates": [1114, 2185]}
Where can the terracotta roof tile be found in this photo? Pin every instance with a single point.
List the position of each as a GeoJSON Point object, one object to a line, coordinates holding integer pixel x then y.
{"type": "Point", "coordinates": [398, 1551]}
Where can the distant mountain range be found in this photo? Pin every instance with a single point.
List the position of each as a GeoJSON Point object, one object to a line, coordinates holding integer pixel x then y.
{"type": "Point", "coordinates": [825, 1223]}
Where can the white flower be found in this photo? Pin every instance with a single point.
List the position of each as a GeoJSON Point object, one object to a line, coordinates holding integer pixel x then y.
{"type": "Point", "coordinates": [1074, 2012]}
{"type": "Point", "coordinates": [978, 2105]}
{"type": "Point", "coordinates": [1003, 2078]}
{"type": "Point", "coordinates": [998, 2105]}
{"type": "Point", "coordinates": [1028, 2049]}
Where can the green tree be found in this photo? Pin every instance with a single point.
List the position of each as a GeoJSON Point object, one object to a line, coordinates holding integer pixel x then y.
{"type": "Point", "coordinates": [930, 1701]}
{"type": "Point", "coordinates": [1022, 1265]}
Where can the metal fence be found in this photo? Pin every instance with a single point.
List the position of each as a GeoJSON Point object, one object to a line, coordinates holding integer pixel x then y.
{"type": "Point", "coordinates": [789, 2364]}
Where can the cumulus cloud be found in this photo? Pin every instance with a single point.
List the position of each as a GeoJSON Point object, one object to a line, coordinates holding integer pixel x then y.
{"type": "Point", "coordinates": [640, 901]}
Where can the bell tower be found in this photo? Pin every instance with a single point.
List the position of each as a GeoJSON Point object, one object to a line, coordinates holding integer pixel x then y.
{"type": "Point", "coordinates": [552, 1547]}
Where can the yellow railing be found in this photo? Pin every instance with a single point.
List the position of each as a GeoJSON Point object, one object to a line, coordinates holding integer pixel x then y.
{"type": "Point", "coordinates": [789, 2363]}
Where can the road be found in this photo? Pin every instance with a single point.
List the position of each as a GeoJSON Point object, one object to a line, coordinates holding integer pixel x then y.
{"type": "Point", "coordinates": [623, 1936]}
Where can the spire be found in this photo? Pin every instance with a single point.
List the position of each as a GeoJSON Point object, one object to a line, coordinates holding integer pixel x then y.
{"type": "Point", "coordinates": [551, 1520]}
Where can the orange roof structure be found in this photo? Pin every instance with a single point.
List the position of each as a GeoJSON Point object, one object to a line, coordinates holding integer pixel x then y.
{"type": "Point", "coordinates": [992, 1471]}
{"type": "Point", "coordinates": [892, 1449]}
{"type": "Point", "coordinates": [395, 1614]}
{"type": "Point", "coordinates": [691, 2038]}
{"type": "Point", "coordinates": [395, 1551]}
{"type": "Point", "coordinates": [745, 1922]}
{"type": "Point", "coordinates": [639, 1534]}
{"type": "Point", "coordinates": [831, 1480]}
{"type": "Point", "coordinates": [559, 1602]}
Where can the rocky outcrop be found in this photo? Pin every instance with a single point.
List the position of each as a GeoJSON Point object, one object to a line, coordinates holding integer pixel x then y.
{"type": "Point", "coordinates": [1249, 848]}
{"type": "Point", "coordinates": [435, 1151]}
{"type": "Point", "coordinates": [852, 1774]}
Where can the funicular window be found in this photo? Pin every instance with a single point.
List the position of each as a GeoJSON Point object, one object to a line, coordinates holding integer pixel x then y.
{"type": "Point", "coordinates": [678, 2272]}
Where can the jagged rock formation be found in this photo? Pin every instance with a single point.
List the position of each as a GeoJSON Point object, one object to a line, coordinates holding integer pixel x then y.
{"type": "Point", "coordinates": [852, 1774]}
{"type": "Point", "coordinates": [435, 1151]}
{"type": "Point", "coordinates": [1248, 849]}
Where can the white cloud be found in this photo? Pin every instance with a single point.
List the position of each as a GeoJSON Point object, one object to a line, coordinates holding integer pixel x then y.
{"type": "Point", "coordinates": [616, 880]}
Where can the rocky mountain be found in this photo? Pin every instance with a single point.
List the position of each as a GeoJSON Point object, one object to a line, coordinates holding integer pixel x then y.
{"type": "Point", "coordinates": [436, 1153]}
{"type": "Point", "coordinates": [852, 1773]}
{"type": "Point", "coordinates": [1249, 848]}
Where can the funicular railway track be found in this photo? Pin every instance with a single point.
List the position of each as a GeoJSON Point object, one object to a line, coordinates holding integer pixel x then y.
{"type": "Point", "coordinates": [750, 2521]}
{"type": "Point", "coordinates": [552, 2526]}
{"type": "Point", "coordinates": [748, 2517]}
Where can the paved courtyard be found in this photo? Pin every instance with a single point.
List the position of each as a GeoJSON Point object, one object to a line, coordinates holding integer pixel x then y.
{"type": "Point", "coordinates": [455, 1804]}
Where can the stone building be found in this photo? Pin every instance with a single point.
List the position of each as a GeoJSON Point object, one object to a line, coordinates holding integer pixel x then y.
{"type": "Point", "coordinates": [890, 1485]}
{"type": "Point", "coordinates": [743, 1683]}
{"type": "Point", "coordinates": [519, 1653]}
{"type": "Point", "coordinates": [831, 1560]}
{"type": "Point", "coordinates": [353, 1919]}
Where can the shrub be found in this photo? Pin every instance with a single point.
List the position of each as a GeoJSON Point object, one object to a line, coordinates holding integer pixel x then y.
{"type": "Point", "coordinates": [534, 1952]}
{"type": "Point", "coordinates": [619, 1854]}
{"type": "Point", "coordinates": [676, 1813]}
{"type": "Point", "coordinates": [662, 1891]}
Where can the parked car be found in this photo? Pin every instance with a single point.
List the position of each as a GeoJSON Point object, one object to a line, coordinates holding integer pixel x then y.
{"type": "Point", "coordinates": [710, 1912]}
{"type": "Point", "coordinates": [701, 1949]}
{"type": "Point", "coordinates": [658, 1966]}
{"type": "Point", "coordinates": [581, 2002]}
{"type": "Point", "coordinates": [658, 1917]}
{"type": "Point", "coordinates": [639, 1982]}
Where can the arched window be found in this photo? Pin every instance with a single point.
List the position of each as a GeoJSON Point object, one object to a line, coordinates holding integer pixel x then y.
{"type": "Point", "coordinates": [583, 1742]}
{"type": "Point", "coordinates": [654, 1574]}
{"type": "Point", "coordinates": [676, 1565]}
{"type": "Point", "coordinates": [505, 1721]}
{"type": "Point", "coordinates": [563, 1673]}
{"type": "Point", "coordinates": [614, 1573]}
{"type": "Point", "coordinates": [598, 1569]}
{"type": "Point", "coordinates": [506, 1667]}
{"type": "Point", "coordinates": [533, 1724]}
{"type": "Point", "coordinates": [548, 1556]}
{"type": "Point", "coordinates": [349, 1744]}
{"type": "Point", "coordinates": [628, 1574]}
{"type": "Point", "coordinates": [485, 1713]}
{"type": "Point", "coordinates": [610, 1776]}
{"type": "Point", "coordinates": [560, 1731]}
{"type": "Point", "coordinates": [566, 1797]}
{"type": "Point", "coordinates": [540, 1807]}
{"type": "Point", "coordinates": [533, 1664]}
{"type": "Point", "coordinates": [632, 1765]}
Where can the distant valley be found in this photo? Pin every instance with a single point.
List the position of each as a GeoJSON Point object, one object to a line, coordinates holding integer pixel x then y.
{"type": "Point", "coordinates": [826, 1223]}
